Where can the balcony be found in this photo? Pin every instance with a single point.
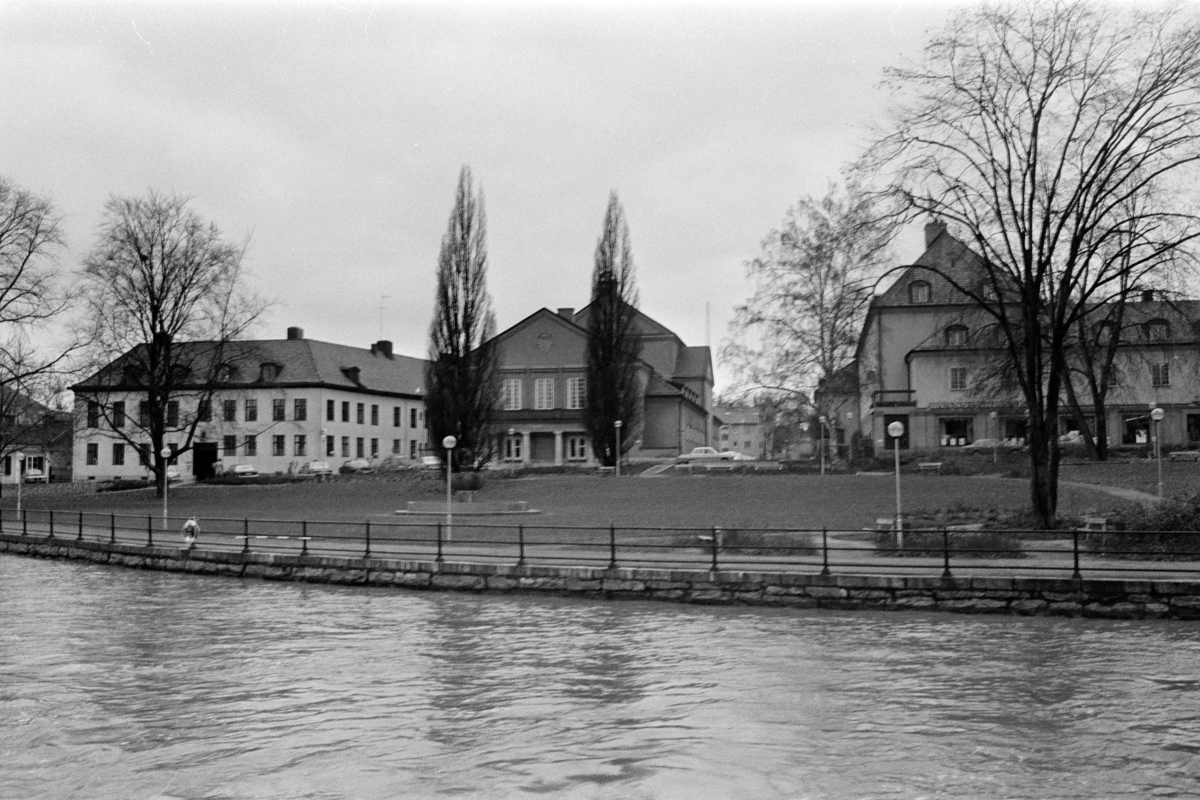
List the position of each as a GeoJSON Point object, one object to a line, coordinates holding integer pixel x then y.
{"type": "Point", "coordinates": [890, 398]}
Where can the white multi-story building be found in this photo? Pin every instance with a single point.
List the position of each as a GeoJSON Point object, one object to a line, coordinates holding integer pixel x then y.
{"type": "Point", "coordinates": [280, 404]}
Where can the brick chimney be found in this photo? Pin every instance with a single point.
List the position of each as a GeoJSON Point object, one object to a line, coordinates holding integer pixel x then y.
{"type": "Point", "coordinates": [567, 313]}
{"type": "Point", "coordinates": [295, 333]}
{"type": "Point", "coordinates": [382, 347]}
{"type": "Point", "coordinates": [932, 231]}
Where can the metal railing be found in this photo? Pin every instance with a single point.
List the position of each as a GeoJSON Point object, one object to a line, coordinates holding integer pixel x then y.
{"type": "Point", "coordinates": [926, 552]}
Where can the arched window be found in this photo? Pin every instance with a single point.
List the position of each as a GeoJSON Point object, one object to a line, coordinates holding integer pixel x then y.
{"type": "Point", "coordinates": [918, 292]}
{"type": "Point", "coordinates": [1158, 330]}
{"type": "Point", "coordinates": [956, 335]}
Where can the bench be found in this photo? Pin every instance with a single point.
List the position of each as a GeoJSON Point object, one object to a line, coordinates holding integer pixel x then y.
{"type": "Point", "coordinates": [1095, 524]}
{"type": "Point", "coordinates": [606, 470]}
{"type": "Point", "coordinates": [930, 466]}
{"type": "Point", "coordinates": [1185, 455]}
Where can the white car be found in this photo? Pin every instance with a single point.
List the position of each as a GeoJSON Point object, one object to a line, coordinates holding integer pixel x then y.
{"type": "Point", "coordinates": [705, 454]}
{"type": "Point", "coordinates": [173, 475]}
{"type": "Point", "coordinates": [316, 468]}
{"type": "Point", "coordinates": [244, 471]}
{"type": "Point", "coordinates": [35, 476]}
{"type": "Point", "coordinates": [430, 462]}
{"type": "Point", "coordinates": [360, 465]}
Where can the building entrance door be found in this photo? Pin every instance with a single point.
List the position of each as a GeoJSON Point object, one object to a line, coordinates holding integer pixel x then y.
{"type": "Point", "coordinates": [204, 456]}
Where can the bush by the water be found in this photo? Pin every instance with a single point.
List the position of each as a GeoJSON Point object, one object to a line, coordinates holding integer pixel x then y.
{"type": "Point", "coordinates": [975, 544]}
{"type": "Point", "coordinates": [1166, 531]}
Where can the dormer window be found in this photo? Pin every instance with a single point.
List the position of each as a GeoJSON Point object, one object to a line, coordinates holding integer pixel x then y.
{"type": "Point", "coordinates": [918, 292]}
{"type": "Point", "coordinates": [269, 372]}
{"type": "Point", "coordinates": [352, 373]}
{"type": "Point", "coordinates": [1158, 330]}
{"type": "Point", "coordinates": [229, 373]}
{"type": "Point", "coordinates": [956, 335]}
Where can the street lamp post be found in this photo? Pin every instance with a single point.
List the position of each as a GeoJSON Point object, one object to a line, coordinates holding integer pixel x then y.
{"type": "Point", "coordinates": [1157, 415]}
{"type": "Point", "coordinates": [20, 479]}
{"type": "Point", "coordinates": [821, 440]}
{"type": "Point", "coordinates": [165, 453]}
{"type": "Point", "coordinates": [448, 443]}
{"type": "Point", "coordinates": [896, 430]}
{"type": "Point", "coordinates": [995, 435]}
{"type": "Point", "coordinates": [617, 455]}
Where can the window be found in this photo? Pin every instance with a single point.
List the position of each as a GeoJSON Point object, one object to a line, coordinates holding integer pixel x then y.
{"type": "Point", "coordinates": [1158, 330]}
{"type": "Point", "coordinates": [576, 390]}
{"type": "Point", "coordinates": [395, 447]}
{"type": "Point", "coordinates": [229, 410]}
{"type": "Point", "coordinates": [300, 410]}
{"type": "Point", "coordinates": [412, 449]}
{"type": "Point", "coordinates": [345, 447]}
{"type": "Point", "coordinates": [345, 411]}
{"type": "Point", "coordinates": [143, 451]}
{"type": "Point", "coordinates": [330, 446]}
{"type": "Point", "coordinates": [918, 292]}
{"type": "Point", "coordinates": [93, 414]}
{"type": "Point", "coordinates": [1160, 374]}
{"type": "Point", "coordinates": [8, 462]}
{"type": "Point", "coordinates": [269, 372]}
{"type": "Point", "coordinates": [173, 461]}
{"type": "Point", "coordinates": [396, 417]}
{"type": "Point", "coordinates": [204, 411]}
{"type": "Point", "coordinates": [374, 414]}
{"type": "Point", "coordinates": [330, 412]}
{"type": "Point", "coordinates": [278, 443]}
{"type": "Point", "coordinates": [359, 449]}
{"type": "Point", "coordinates": [512, 394]}
{"type": "Point", "coordinates": [958, 378]}
{"type": "Point", "coordinates": [576, 448]}
{"type": "Point", "coordinates": [93, 454]}
{"type": "Point", "coordinates": [412, 418]}
{"type": "Point", "coordinates": [360, 414]}
{"type": "Point", "coordinates": [144, 413]}
{"type": "Point", "coordinates": [1136, 428]}
{"type": "Point", "coordinates": [512, 447]}
{"type": "Point", "coordinates": [374, 448]}
{"type": "Point", "coordinates": [250, 445]}
{"type": "Point", "coordinates": [35, 462]}
{"type": "Point", "coordinates": [278, 409]}
{"type": "Point", "coordinates": [543, 393]}
{"type": "Point", "coordinates": [229, 445]}
{"type": "Point", "coordinates": [251, 411]}
{"type": "Point", "coordinates": [118, 454]}
{"type": "Point", "coordinates": [118, 414]}
{"type": "Point", "coordinates": [957, 432]}
{"type": "Point", "coordinates": [956, 335]}
{"type": "Point", "coordinates": [172, 413]}
{"type": "Point", "coordinates": [300, 445]}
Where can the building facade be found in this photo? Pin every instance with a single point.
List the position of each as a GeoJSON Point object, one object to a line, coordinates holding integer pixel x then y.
{"type": "Point", "coordinates": [542, 365]}
{"type": "Point", "coordinates": [286, 402]}
{"type": "Point", "coordinates": [741, 429]}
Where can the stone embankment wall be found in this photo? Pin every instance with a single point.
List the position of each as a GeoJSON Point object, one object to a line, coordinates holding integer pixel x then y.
{"type": "Point", "coordinates": [1120, 599]}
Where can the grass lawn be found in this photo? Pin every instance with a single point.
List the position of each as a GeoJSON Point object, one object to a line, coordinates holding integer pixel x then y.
{"type": "Point", "coordinates": [797, 501]}
{"type": "Point", "coordinates": [1179, 478]}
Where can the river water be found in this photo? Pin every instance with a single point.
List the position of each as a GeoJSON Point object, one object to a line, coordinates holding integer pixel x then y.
{"type": "Point", "coordinates": [124, 684]}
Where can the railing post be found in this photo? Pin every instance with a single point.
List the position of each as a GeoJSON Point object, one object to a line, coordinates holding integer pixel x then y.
{"type": "Point", "coordinates": [246, 535]}
{"type": "Point", "coordinates": [304, 537]}
{"type": "Point", "coordinates": [824, 551]}
{"type": "Point", "coordinates": [1075, 554]}
{"type": "Point", "coordinates": [521, 545]}
{"type": "Point", "coordinates": [24, 523]}
{"type": "Point", "coordinates": [80, 537]}
{"type": "Point", "coordinates": [716, 546]}
{"type": "Point", "coordinates": [439, 542]}
{"type": "Point", "coordinates": [946, 553]}
{"type": "Point", "coordinates": [112, 528]}
{"type": "Point", "coordinates": [52, 523]}
{"type": "Point", "coordinates": [367, 551]}
{"type": "Point", "coordinates": [149, 530]}
{"type": "Point", "coordinates": [612, 546]}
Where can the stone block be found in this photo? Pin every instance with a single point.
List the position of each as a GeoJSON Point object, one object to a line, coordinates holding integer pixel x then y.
{"type": "Point", "coordinates": [1185, 601]}
{"type": "Point", "coordinates": [1119, 610]}
{"type": "Point", "coordinates": [412, 580]}
{"type": "Point", "coordinates": [460, 582]}
{"type": "Point", "coordinates": [544, 584]}
{"type": "Point", "coordinates": [1064, 609]}
{"type": "Point", "coordinates": [826, 592]}
{"type": "Point", "coordinates": [668, 594]}
{"type": "Point", "coordinates": [381, 577]}
{"type": "Point", "coordinates": [501, 583]}
{"type": "Point", "coordinates": [1027, 607]}
{"type": "Point", "coordinates": [790, 591]}
{"type": "Point", "coordinates": [979, 605]}
{"type": "Point", "coordinates": [913, 602]}
{"type": "Point", "coordinates": [869, 594]}
{"type": "Point", "coordinates": [708, 596]}
{"type": "Point", "coordinates": [583, 584]}
{"type": "Point", "coordinates": [618, 585]}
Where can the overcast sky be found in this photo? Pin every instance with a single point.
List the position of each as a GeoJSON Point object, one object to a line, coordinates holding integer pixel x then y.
{"type": "Point", "coordinates": [330, 135]}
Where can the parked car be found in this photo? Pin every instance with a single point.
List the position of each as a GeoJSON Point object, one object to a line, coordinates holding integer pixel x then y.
{"type": "Point", "coordinates": [431, 462]}
{"type": "Point", "coordinates": [36, 476]}
{"type": "Point", "coordinates": [705, 454]}
{"type": "Point", "coordinates": [173, 475]}
{"type": "Point", "coordinates": [316, 468]}
{"type": "Point", "coordinates": [244, 471]}
{"type": "Point", "coordinates": [358, 465]}
{"type": "Point", "coordinates": [743, 457]}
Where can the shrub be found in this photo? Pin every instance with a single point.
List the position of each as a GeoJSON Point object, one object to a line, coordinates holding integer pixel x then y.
{"type": "Point", "coordinates": [1166, 531]}
{"type": "Point", "coordinates": [928, 543]}
{"type": "Point", "coordinates": [121, 485]}
{"type": "Point", "coordinates": [467, 481]}
{"type": "Point", "coordinates": [259, 480]}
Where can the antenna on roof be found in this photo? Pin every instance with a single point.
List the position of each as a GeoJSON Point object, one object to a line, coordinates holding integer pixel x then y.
{"type": "Point", "coordinates": [382, 297]}
{"type": "Point", "coordinates": [707, 327]}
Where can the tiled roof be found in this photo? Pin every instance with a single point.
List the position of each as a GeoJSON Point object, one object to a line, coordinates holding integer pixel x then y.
{"type": "Point", "coordinates": [301, 362]}
{"type": "Point", "coordinates": [951, 259]}
{"type": "Point", "coordinates": [692, 362]}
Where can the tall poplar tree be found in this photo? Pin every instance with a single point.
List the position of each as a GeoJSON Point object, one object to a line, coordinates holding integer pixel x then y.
{"type": "Point", "coordinates": [461, 379]}
{"type": "Point", "coordinates": [614, 345]}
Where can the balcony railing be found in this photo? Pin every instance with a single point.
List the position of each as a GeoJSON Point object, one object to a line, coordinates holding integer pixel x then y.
{"type": "Point", "coordinates": [894, 397]}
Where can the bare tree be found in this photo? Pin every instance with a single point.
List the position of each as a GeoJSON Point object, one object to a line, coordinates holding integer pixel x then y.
{"type": "Point", "coordinates": [1032, 129]}
{"type": "Point", "coordinates": [165, 298]}
{"type": "Point", "coordinates": [33, 297]}
{"type": "Point", "coordinates": [813, 283]}
{"type": "Point", "coordinates": [461, 379]}
{"type": "Point", "coordinates": [614, 342]}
